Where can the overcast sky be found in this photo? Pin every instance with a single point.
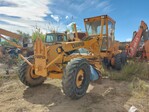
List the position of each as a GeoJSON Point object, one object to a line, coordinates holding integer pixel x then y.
{"type": "Point", "coordinates": [24, 15]}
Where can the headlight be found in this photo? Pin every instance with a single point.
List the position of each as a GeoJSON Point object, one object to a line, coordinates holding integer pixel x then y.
{"type": "Point", "coordinates": [59, 50]}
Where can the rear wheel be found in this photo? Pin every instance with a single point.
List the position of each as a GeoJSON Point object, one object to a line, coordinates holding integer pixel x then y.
{"type": "Point", "coordinates": [123, 58]}
{"type": "Point", "coordinates": [117, 62]}
{"type": "Point", "coordinates": [27, 74]}
{"type": "Point", "coordinates": [76, 78]}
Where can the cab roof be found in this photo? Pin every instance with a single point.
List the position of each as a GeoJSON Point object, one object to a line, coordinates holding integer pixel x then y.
{"type": "Point", "coordinates": [99, 17]}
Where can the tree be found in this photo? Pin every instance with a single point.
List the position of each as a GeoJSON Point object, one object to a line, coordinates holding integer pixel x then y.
{"type": "Point", "coordinates": [24, 35]}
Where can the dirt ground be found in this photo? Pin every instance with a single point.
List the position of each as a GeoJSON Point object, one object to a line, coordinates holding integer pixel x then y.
{"type": "Point", "coordinates": [110, 96]}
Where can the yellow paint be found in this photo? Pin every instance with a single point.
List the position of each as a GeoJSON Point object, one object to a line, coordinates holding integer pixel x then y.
{"type": "Point", "coordinates": [80, 78]}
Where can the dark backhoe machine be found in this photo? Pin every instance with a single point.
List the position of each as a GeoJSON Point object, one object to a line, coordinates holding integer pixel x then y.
{"type": "Point", "coordinates": [6, 49]}
{"type": "Point", "coordinates": [139, 46]}
{"type": "Point", "coordinates": [4, 33]}
{"type": "Point", "coordinates": [59, 60]}
{"type": "Point", "coordinates": [23, 43]}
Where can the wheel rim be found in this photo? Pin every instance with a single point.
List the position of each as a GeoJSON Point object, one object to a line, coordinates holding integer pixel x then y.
{"type": "Point", "coordinates": [32, 73]}
{"type": "Point", "coordinates": [80, 78]}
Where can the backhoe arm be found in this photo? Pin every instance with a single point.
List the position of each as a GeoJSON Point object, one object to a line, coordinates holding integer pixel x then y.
{"type": "Point", "coordinates": [136, 40]}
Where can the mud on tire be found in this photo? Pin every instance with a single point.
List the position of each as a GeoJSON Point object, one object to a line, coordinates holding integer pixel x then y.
{"type": "Point", "coordinates": [70, 76]}
{"type": "Point", "coordinates": [25, 75]}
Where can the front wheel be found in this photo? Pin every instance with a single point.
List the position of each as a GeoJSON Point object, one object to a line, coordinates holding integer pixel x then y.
{"type": "Point", "coordinates": [76, 78]}
{"type": "Point", "coordinates": [27, 75]}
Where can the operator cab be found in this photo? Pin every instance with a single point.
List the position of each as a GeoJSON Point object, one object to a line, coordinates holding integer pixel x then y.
{"type": "Point", "coordinates": [103, 27]}
{"type": "Point", "coordinates": [55, 37]}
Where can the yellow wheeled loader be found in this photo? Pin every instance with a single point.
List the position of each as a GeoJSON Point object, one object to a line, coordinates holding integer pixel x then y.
{"type": "Point", "coordinates": [60, 60]}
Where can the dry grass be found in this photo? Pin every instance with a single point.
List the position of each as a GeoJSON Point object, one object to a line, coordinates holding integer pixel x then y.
{"type": "Point", "coordinates": [131, 70]}
{"type": "Point", "coordinates": [135, 72]}
{"type": "Point", "coordinates": [139, 87]}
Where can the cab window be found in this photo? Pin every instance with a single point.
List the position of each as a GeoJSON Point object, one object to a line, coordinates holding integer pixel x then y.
{"type": "Point", "coordinates": [93, 28]}
{"type": "Point", "coordinates": [49, 38]}
{"type": "Point", "coordinates": [59, 38]}
{"type": "Point", "coordinates": [111, 28]}
{"type": "Point", "coordinates": [104, 41]}
{"type": "Point", "coordinates": [64, 38]}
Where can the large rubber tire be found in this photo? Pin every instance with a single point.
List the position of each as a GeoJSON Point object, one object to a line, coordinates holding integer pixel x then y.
{"type": "Point", "coordinates": [123, 58]}
{"type": "Point", "coordinates": [139, 54]}
{"type": "Point", "coordinates": [70, 76]}
{"type": "Point", "coordinates": [106, 63]}
{"type": "Point", "coordinates": [25, 75]}
{"type": "Point", "coordinates": [118, 62]}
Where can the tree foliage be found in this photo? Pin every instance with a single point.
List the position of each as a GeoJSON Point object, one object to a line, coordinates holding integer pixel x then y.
{"type": "Point", "coordinates": [4, 43]}
{"type": "Point", "coordinates": [24, 35]}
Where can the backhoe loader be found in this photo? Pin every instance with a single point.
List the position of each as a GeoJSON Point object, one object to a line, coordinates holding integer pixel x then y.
{"type": "Point", "coordinates": [26, 47]}
{"type": "Point", "coordinates": [139, 46]}
{"type": "Point", "coordinates": [59, 60]}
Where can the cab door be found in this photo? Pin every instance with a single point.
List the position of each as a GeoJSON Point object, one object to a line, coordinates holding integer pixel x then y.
{"type": "Point", "coordinates": [107, 34]}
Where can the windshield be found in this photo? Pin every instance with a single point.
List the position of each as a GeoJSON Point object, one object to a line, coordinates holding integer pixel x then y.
{"type": "Point", "coordinates": [93, 28]}
{"type": "Point", "coordinates": [55, 38]}
{"type": "Point", "coordinates": [49, 38]}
